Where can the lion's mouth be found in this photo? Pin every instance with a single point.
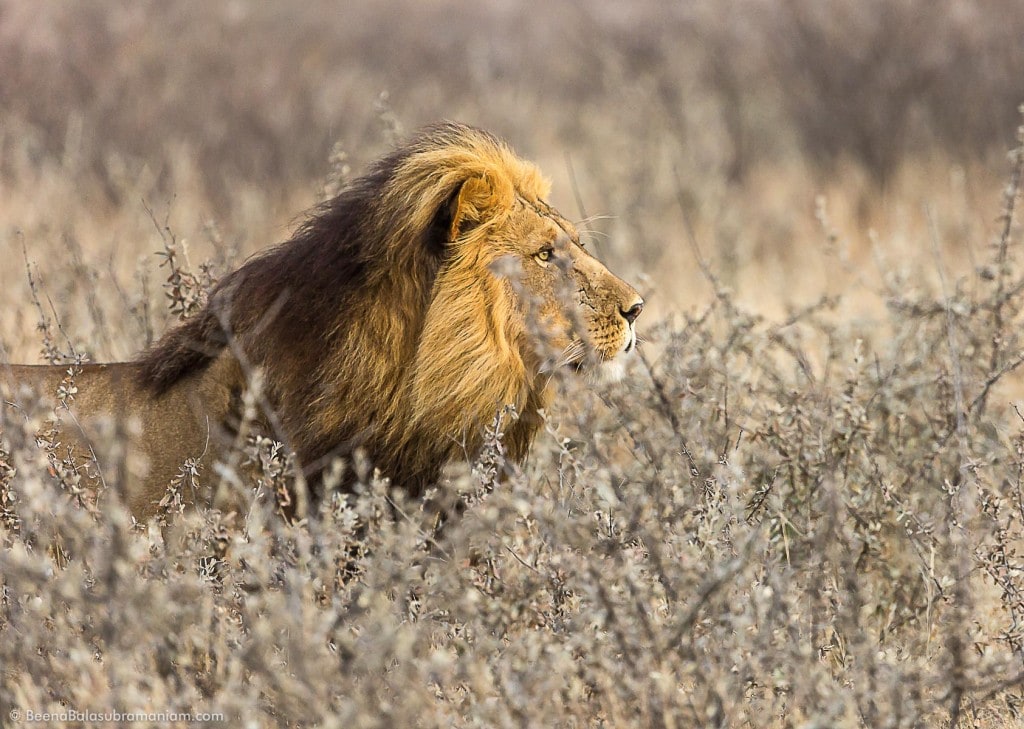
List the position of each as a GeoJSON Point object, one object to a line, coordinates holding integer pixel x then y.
{"type": "Point", "coordinates": [581, 358]}
{"type": "Point", "coordinates": [631, 340]}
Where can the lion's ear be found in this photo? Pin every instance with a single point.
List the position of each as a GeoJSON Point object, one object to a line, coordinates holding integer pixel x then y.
{"type": "Point", "coordinates": [470, 204]}
{"type": "Point", "coordinates": [467, 205]}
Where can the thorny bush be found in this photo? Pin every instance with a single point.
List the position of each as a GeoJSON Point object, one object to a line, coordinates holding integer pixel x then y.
{"type": "Point", "coordinates": [768, 522]}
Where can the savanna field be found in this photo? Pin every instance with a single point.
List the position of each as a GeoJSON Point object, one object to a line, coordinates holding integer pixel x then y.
{"type": "Point", "coordinates": [803, 505]}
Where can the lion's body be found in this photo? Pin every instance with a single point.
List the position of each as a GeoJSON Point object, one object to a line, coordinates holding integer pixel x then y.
{"type": "Point", "coordinates": [158, 433]}
{"type": "Point", "coordinates": [383, 324]}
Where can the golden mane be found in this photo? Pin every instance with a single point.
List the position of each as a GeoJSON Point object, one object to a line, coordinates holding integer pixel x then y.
{"type": "Point", "coordinates": [356, 345]}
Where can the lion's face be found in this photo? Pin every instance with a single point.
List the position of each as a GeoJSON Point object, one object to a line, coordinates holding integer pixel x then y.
{"type": "Point", "coordinates": [586, 313]}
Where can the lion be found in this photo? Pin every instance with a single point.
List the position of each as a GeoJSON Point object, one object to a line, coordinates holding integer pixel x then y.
{"type": "Point", "coordinates": [402, 315]}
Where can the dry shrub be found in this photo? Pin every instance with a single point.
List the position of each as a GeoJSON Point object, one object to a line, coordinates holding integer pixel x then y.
{"type": "Point", "coordinates": [779, 519]}
{"type": "Point", "coordinates": [768, 523]}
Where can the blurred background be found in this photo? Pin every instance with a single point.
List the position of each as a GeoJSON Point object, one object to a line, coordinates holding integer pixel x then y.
{"type": "Point", "coordinates": [804, 147]}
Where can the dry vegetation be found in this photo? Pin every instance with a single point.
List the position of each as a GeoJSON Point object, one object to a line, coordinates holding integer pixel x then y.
{"type": "Point", "coordinates": [804, 506]}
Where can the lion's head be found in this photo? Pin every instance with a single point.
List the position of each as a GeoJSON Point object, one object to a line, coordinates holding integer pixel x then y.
{"type": "Point", "coordinates": [406, 311]}
{"type": "Point", "coordinates": [535, 274]}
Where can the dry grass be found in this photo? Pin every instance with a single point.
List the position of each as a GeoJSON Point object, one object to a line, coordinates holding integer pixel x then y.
{"type": "Point", "coordinates": [802, 508]}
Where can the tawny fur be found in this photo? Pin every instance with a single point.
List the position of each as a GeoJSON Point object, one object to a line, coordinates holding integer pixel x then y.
{"type": "Point", "coordinates": [384, 324]}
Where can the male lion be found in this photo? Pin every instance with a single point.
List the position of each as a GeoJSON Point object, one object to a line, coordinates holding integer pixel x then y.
{"type": "Point", "coordinates": [399, 319]}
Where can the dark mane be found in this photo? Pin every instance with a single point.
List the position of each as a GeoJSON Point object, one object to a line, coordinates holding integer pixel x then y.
{"type": "Point", "coordinates": [287, 298]}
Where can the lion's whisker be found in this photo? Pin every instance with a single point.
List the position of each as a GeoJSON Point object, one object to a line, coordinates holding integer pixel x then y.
{"type": "Point", "coordinates": [592, 234]}
{"type": "Point", "coordinates": [573, 353]}
{"type": "Point", "coordinates": [592, 218]}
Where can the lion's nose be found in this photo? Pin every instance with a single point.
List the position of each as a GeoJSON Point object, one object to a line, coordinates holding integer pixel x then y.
{"type": "Point", "coordinates": [633, 312]}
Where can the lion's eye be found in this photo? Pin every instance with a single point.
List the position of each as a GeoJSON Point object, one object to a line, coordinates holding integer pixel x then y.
{"type": "Point", "coordinates": [544, 256]}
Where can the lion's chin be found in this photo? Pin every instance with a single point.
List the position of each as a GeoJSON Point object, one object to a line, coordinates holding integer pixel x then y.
{"type": "Point", "coordinates": [611, 370]}
{"type": "Point", "coordinates": [600, 368]}
{"type": "Point", "coordinates": [605, 372]}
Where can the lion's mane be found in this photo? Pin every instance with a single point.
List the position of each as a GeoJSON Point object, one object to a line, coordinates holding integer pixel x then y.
{"type": "Point", "coordinates": [361, 343]}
